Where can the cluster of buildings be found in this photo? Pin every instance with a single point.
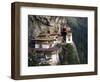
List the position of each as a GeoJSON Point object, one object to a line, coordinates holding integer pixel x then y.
{"type": "Point", "coordinates": [45, 48]}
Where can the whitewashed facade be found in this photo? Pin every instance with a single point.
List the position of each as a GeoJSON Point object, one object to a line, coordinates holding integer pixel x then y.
{"type": "Point", "coordinates": [42, 46]}
{"type": "Point", "coordinates": [69, 39]}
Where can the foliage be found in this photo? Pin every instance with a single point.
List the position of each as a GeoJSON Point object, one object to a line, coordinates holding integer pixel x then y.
{"type": "Point", "coordinates": [69, 55]}
{"type": "Point", "coordinates": [72, 54]}
{"type": "Point", "coordinates": [32, 59]}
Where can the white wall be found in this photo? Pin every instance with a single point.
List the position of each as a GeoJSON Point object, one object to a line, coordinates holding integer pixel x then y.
{"type": "Point", "coordinates": [5, 38]}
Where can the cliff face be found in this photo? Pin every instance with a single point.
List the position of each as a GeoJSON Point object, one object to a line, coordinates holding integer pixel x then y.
{"type": "Point", "coordinates": [39, 24]}
{"type": "Point", "coordinates": [68, 54]}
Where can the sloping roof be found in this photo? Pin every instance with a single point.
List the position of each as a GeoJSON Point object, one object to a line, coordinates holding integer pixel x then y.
{"type": "Point", "coordinates": [53, 34]}
{"type": "Point", "coordinates": [43, 39]}
{"type": "Point", "coordinates": [45, 49]}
